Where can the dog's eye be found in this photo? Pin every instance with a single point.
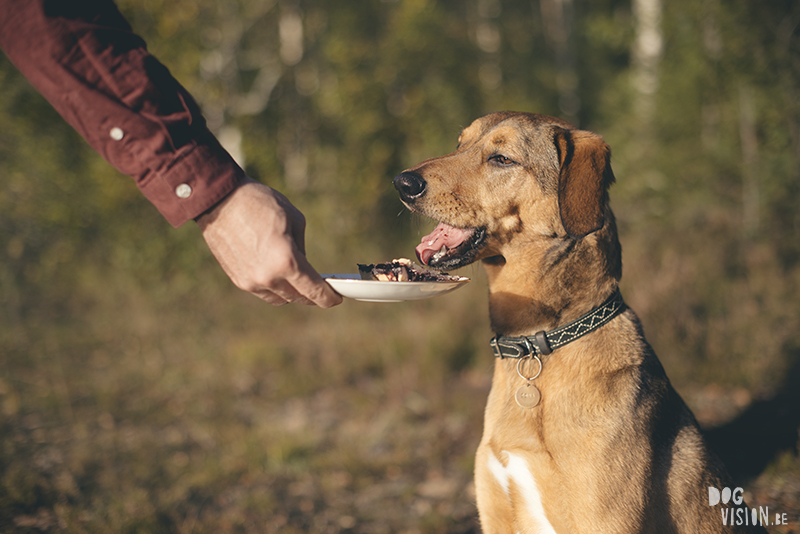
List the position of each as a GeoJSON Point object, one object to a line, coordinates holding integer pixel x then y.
{"type": "Point", "coordinates": [499, 159]}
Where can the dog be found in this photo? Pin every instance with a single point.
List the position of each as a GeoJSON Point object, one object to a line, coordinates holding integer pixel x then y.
{"type": "Point", "coordinates": [583, 432]}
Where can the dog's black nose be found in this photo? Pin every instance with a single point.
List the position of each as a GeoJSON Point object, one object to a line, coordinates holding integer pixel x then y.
{"type": "Point", "coordinates": [410, 185]}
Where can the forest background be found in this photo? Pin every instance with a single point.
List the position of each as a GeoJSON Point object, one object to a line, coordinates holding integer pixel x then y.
{"type": "Point", "coordinates": [141, 392]}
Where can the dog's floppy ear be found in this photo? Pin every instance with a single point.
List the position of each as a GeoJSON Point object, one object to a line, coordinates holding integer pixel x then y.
{"type": "Point", "coordinates": [583, 181]}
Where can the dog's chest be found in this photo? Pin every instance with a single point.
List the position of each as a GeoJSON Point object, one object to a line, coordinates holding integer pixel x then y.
{"type": "Point", "coordinates": [519, 485]}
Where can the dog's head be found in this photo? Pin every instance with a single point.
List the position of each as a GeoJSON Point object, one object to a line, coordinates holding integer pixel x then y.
{"type": "Point", "coordinates": [512, 177]}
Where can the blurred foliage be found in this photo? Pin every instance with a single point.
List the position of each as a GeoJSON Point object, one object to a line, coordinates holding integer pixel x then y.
{"type": "Point", "coordinates": [140, 392]}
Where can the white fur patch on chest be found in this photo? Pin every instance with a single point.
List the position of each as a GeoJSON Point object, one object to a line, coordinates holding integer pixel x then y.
{"type": "Point", "coordinates": [516, 470]}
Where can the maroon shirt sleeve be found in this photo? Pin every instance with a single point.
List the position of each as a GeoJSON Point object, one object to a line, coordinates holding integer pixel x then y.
{"type": "Point", "coordinates": [82, 56]}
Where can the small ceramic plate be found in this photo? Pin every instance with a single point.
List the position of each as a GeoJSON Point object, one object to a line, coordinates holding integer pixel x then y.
{"type": "Point", "coordinates": [352, 286]}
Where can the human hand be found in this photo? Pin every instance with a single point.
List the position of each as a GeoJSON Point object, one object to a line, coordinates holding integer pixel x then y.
{"type": "Point", "coordinates": [258, 237]}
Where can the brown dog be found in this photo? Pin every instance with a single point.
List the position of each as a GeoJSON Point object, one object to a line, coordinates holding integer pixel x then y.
{"type": "Point", "coordinates": [583, 432]}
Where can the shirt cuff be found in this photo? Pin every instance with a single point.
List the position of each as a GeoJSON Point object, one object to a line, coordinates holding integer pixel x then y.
{"type": "Point", "coordinates": [193, 184]}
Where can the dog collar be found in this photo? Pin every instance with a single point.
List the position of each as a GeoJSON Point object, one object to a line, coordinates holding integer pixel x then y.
{"type": "Point", "coordinates": [546, 342]}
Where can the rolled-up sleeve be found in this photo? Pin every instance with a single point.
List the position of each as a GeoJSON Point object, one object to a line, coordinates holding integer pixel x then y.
{"type": "Point", "coordinates": [84, 59]}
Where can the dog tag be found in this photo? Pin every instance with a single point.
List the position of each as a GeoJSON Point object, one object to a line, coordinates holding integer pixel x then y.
{"type": "Point", "coordinates": [528, 396]}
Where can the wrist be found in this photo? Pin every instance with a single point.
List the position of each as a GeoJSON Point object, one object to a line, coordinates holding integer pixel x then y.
{"type": "Point", "coordinates": [208, 216]}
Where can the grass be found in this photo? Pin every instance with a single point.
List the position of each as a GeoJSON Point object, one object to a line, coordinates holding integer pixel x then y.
{"type": "Point", "coordinates": [217, 413]}
{"type": "Point", "coordinates": [183, 405]}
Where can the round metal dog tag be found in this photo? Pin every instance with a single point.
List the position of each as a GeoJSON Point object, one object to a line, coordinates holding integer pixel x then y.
{"type": "Point", "coordinates": [528, 396]}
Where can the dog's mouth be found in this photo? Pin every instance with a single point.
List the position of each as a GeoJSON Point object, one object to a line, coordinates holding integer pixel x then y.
{"type": "Point", "coordinates": [448, 247]}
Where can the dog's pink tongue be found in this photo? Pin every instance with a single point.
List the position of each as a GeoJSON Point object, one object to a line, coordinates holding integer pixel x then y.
{"type": "Point", "coordinates": [443, 235]}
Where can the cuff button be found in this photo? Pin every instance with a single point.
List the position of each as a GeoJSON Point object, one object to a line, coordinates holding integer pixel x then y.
{"type": "Point", "coordinates": [183, 191]}
{"type": "Point", "coordinates": [116, 134]}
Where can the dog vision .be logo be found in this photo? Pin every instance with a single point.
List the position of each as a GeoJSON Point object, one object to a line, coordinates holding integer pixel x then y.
{"type": "Point", "coordinates": [739, 515]}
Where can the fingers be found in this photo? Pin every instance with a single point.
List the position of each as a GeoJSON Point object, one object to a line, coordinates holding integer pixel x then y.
{"type": "Point", "coordinates": [313, 288]}
{"type": "Point", "coordinates": [288, 294]}
{"type": "Point", "coordinates": [283, 293]}
{"type": "Point", "coordinates": [277, 300]}
{"type": "Point", "coordinates": [297, 284]}
{"type": "Point", "coordinates": [287, 277]}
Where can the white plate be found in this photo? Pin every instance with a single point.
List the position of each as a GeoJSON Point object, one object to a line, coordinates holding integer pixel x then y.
{"type": "Point", "coordinates": [352, 286]}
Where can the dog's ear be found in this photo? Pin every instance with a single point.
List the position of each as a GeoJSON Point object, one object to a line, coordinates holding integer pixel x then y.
{"type": "Point", "coordinates": [583, 181]}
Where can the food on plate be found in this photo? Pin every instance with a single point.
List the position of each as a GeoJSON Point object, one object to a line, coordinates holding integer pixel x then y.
{"type": "Point", "coordinates": [403, 270]}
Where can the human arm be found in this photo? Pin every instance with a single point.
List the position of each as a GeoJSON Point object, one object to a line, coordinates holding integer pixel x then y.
{"type": "Point", "coordinates": [86, 61]}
